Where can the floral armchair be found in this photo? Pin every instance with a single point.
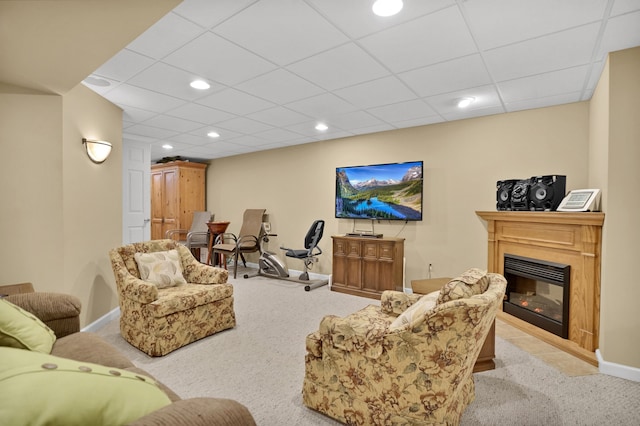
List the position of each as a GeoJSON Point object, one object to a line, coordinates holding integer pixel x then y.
{"type": "Point", "coordinates": [189, 301]}
{"type": "Point", "coordinates": [396, 365]}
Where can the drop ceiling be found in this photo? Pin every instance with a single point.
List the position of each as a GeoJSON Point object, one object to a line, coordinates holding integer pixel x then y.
{"type": "Point", "coordinates": [279, 67]}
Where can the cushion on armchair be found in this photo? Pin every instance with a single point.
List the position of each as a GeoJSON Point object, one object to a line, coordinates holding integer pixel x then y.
{"type": "Point", "coordinates": [38, 388]}
{"type": "Point", "coordinates": [415, 313]}
{"type": "Point", "coordinates": [23, 330]}
{"type": "Point", "coordinates": [473, 281]}
{"type": "Point", "coordinates": [161, 268]}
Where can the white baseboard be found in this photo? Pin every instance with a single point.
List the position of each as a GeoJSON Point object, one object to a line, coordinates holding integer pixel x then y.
{"type": "Point", "coordinates": [617, 370]}
{"type": "Point", "coordinates": [103, 320]}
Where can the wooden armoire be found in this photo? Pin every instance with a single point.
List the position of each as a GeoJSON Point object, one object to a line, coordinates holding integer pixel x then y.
{"type": "Point", "coordinates": [177, 190]}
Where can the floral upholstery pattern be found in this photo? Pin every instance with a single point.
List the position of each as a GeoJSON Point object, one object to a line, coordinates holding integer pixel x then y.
{"type": "Point", "coordinates": [160, 320]}
{"type": "Point", "coordinates": [473, 281]}
{"type": "Point", "coordinates": [359, 372]}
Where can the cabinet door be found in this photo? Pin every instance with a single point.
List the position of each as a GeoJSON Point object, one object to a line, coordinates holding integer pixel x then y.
{"type": "Point", "coordinates": [354, 265]}
{"type": "Point", "coordinates": [370, 280]}
{"type": "Point", "coordinates": [170, 201]}
{"type": "Point", "coordinates": [387, 266]}
{"type": "Point", "coordinates": [156, 205]}
{"type": "Point", "coordinates": [339, 263]}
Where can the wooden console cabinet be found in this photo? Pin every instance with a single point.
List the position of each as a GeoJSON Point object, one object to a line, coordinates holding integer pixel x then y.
{"type": "Point", "coordinates": [177, 190]}
{"type": "Point", "coordinates": [366, 266]}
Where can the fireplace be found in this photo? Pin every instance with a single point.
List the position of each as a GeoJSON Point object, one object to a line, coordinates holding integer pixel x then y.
{"type": "Point", "coordinates": [538, 292]}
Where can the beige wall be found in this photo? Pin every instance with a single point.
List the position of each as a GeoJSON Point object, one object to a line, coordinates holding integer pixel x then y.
{"type": "Point", "coordinates": [462, 162]}
{"type": "Point", "coordinates": [61, 213]}
{"type": "Point", "coordinates": [619, 337]}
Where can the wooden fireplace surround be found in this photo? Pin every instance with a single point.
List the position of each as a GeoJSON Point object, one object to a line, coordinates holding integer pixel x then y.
{"type": "Point", "coordinates": [571, 238]}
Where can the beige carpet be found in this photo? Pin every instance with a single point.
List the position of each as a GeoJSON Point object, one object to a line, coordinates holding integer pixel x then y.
{"type": "Point", "coordinates": [260, 363]}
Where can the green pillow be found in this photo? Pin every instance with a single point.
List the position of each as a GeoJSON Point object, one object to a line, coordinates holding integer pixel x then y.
{"type": "Point", "coordinates": [38, 389]}
{"type": "Point", "coordinates": [22, 329]}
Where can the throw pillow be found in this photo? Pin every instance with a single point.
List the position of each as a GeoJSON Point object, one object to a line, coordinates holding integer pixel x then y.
{"type": "Point", "coordinates": [42, 389]}
{"type": "Point", "coordinates": [415, 312]}
{"type": "Point", "coordinates": [23, 330]}
{"type": "Point", "coordinates": [471, 282]}
{"type": "Point", "coordinates": [162, 268]}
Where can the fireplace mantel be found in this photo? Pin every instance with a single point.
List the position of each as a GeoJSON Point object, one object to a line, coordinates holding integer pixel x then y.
{"type": "Point", "coordinates": [570, 238]}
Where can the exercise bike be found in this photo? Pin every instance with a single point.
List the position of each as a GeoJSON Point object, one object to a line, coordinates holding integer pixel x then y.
{"type": "Point", "coordinates": [270, 265]}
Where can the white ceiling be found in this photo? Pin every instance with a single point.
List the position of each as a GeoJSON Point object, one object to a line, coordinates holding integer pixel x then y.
{"type": "Point", "coordinates": [278, 67]}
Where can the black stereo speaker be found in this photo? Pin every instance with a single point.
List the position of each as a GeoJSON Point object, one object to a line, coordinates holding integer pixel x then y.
{"type": "Point", "coordinates": [503, 193]}
{"type": "Point", "coordinates": [546, 192]}
{"type": "Point", "coordinates": [520, 195]}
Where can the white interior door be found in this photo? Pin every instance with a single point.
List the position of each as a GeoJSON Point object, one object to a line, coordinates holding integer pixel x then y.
{"type": "Point", "coordinates": [136, 192]}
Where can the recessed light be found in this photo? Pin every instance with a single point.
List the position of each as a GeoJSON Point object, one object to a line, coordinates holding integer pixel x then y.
{"type": "Point", "coordinates": [97, 81]}
{"type": "Point", "coordinates": [213, 134]}
{"type": "Point", "coordinates": [200, 84]}
{"type": "Point", "coordinates": [167, 146]}
{"type": "Point", "coordinates": [321, 126]}
{"type": "Point", "coordinates": [465, 102]}
{"type": "Point", "coordinates": [387, 7]}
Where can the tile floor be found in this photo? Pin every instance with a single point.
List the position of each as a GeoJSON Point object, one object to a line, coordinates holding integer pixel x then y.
{"type": "Point", "coordinates": [568, 364]}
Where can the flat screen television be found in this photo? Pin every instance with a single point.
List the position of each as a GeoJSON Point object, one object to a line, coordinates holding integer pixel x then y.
{"type": "Point", "coordinates": [381, 191]}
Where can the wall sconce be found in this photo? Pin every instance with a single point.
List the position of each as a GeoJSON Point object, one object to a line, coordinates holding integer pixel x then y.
{"type": "Point", "coordinates": [98, 151]}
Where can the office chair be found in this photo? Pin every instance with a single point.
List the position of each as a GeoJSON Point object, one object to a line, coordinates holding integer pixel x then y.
{"type": "Point", "coordinates": [311, 249]}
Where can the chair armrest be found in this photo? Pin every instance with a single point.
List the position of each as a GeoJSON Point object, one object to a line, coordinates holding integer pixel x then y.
{"type": "Point", "coordinates": [199, 412]}
{"type": "Point", "coordinates": [200, 273]}
{"type": "Point", "coordinates": [396, 302]}
{"type": "Point", "coordinates": [169, 234]}
{"type": "Point", "coordinates": [60, 312]}
{"type": "Point", "coordinates": [138, 290]}
{"type": "Point", "coordinates": [362, 332]}
{"type": "Point", "coordinates": [9, 289]}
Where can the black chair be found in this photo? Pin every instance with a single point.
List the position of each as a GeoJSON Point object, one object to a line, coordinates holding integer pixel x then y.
{"type": "Point", "coordinates": [311, 250]}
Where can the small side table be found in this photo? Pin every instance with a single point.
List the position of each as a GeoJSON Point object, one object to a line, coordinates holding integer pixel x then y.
{"type": "Point", "coordinates": [215, 229]}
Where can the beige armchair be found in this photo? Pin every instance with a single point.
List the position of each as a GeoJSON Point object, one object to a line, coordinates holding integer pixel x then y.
{"type": "Point", "coordinates": [408, 361]}
{"type": "Point", "coordinates": [158, 319]}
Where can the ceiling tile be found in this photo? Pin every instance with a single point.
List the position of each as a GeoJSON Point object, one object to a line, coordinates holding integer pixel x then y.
{"type": "Point", "coordinates": [278, 135]}
{"type": "Point", "coordinates": [217, 59]}
{"type": "Point", "coordinates": [447, 104]}
{"type": "Point", "coordinates": [152, 132]}
{"type": "Point", "coordinates": [353, 120]}
{"type": "Point", "coordinates": [279, 116]}
{"type": "Point", "coordinates": [200, 113]}
{"type": "Point", "coordinates": [553, 52]}
{"type": "Point", "coordinates": [622, 32]}
{"type": "Point", "coordinates": [384, 91]}
{"type": "Point", "coordinates": [403, 111]}
{"type": "Point", "coordinates": [501, 22]}
{"type": "Point", "coordinates": [123, 65]}
{"type": "Point", "coordinates": [235, 102]}
{"type": "Point", "coordinates": [624, 6]}
{"type": "Point", "coordinates": [299, 28]}
{"type": "Point", "coordinates": [172, 123]}
{"type": "Point", "coordinates": [244, 125]}
{"type": "Point", "coordinates": [208, 13]}
{"type": "Point", "coordinates": [449, 76]}
{"type": "Point", "coordinates": [424, 41]}
{"type": "Point", "coordinates": [357, 19]}
{"type": "Point", "coordinates": [544, 85]}
{"type": "Point", "coordinates": [321, 106]}
{"type": "Point", "coordinates": [137, 97]}
{"type": "Point", "coordinates": [167, 79]}
{"type": "Point", "coordinates": [280, 86]}
{"type": "Point", "coordinates": [543, 102]}
{"type": "Point", "coordinates": [165, 36]}
{"type": "Point", "coordinates": [343, 66]}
